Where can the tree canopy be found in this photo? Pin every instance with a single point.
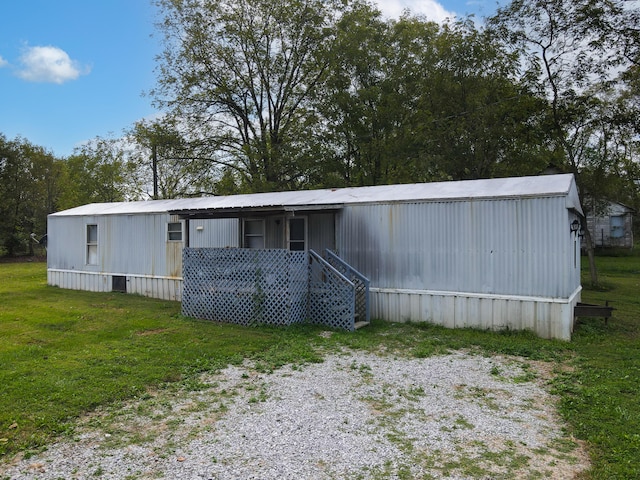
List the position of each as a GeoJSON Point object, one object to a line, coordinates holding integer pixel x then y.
{"type": "Point", "coordinates": [239, 74]}
{"type": "Point", "coordinates": [257, 95]}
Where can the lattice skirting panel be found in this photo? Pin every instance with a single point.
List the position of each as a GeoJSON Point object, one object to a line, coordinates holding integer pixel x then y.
{"type": "Point", "coordinates": [274, 287]}
{"type": "Point", "coordinates": [245, 286]}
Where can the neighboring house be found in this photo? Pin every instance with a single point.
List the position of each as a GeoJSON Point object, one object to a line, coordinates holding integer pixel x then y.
{"type": "Point", "coordinates": [611, 225]}
{"type": "Point", "coordinates": [491, 254]}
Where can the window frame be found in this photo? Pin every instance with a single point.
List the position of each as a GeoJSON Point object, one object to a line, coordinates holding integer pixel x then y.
{"type": "Point", "coordinates": [305, 239]}
{"type": "Point", "coordinates": [260, 235]}
{"type": "Point", "coordinates": [91, 244]}
{"type": "Point", "coordinates": [170, 231]}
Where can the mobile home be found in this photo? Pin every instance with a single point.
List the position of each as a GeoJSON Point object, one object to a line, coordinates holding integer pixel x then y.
{"type": "Point", "coordinates": [494, 254]}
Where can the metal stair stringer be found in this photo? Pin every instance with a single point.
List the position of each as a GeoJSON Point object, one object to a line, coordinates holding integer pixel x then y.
{"type": "Point", "coordinates": [361, 283]}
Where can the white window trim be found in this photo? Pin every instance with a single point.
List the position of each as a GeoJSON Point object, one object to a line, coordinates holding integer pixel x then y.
{"type": "Point", "coordinates": [175, 231]}
{"type": "Point", "coordinates": [89, 244]}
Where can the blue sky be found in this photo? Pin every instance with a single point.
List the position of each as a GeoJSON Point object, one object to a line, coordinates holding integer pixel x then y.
{"type": "Point", "coordinates": [71, 70]}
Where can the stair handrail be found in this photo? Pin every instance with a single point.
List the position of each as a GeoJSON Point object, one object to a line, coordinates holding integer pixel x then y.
{"type": "Point", "coordinates": [334, 256]}
{"type": "Point", "coordinates": [333, 269]}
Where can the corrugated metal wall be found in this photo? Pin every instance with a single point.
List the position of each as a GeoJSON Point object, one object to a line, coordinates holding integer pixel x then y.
{"type": "Point", "coordinates": [131, 244]}
{"type": "Point", "coordinates": [494, 246]}
{"type": "Point", "coordinates": [214, 233]}
{"type": "Point", "coordinates": [488, 263]}
{"type": "Point", "coordinates": [321, 232]}
{"type": "Point", "coordinates": [546, 318]}
{"type": "Point", "coordinates": [66, 242]}
{"type": "Point", "coordinates": [126, 244]}
{"type": "Point", "coordinates": [157, 287]}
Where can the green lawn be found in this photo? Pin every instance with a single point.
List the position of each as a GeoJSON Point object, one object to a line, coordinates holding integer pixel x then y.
{"type": "Point", "coordinates": [64, 353]}
{"type": "Point", "coordinates": [601, 397]}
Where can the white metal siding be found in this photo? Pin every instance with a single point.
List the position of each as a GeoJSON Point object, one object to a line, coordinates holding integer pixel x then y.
{"type": "Point", "coordinates": [164, 288]}
{"type": "Point", "coordinates": [322, 232]}
{"type": "Point", "coordinates": [274, 232]}
{"type": "Point", "coordinates": [548, 318]}
{"type": "Point", "coordinates": [127, 244]}
{"type": "Point", "coordinates": [132, 244]}
{"type": "Point", "coordinates": [66, 243]}
{"type": "Point", "coordinates": [504, 246]}
{"type": "Point", "coordinates": [214, 233]}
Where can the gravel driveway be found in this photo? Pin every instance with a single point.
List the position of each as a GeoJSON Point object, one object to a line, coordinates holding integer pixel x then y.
{"type": "Point", "coordinates": [356, 415]}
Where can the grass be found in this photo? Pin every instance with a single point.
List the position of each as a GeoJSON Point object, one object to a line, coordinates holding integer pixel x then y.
{"type": "Point", "coordinates": [66, 353]}
{"type": "Point", "coordinates": [600, 396]}
{"type": "Point", "coordinates": [63, 353]}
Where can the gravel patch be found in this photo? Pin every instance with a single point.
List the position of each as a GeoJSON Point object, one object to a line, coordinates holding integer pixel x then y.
{"type": "Point", "coordinates": [356, 415]}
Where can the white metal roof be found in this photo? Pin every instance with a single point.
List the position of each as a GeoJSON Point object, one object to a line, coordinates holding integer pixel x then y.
{"type": "Point", "coordinates": [534, 186]}
{"type": "Point", "coordinates": [122, 208]}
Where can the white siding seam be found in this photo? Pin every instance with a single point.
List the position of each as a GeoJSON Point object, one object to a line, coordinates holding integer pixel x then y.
{"type": "Point", "coordinates": [114, 274]}
{"type": "Point", "coordinates": [491, 296]}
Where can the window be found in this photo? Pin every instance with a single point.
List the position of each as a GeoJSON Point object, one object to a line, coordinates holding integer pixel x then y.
{"type": "Point", "coordinates": [253, 236]}
{"type": "Point", "coordinates": [92, 244]}
{"type": "Point", "coordinates": [297, 233]}
{"type": "Point", "coordinates": [174, 231]}
{"type": "Point", "coordinates": [617, 226]}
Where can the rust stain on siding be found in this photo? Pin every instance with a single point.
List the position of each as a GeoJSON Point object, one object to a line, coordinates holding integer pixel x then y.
{"type": "Point", "coordinates": [174, 259]}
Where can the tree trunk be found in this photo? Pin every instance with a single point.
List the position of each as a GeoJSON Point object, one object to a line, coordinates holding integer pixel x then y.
{"type": "Point", "coordinates": [593, 272]}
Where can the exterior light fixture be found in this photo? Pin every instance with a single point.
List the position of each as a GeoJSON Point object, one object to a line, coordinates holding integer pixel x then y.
{"type": "Point", "coordinates": [575, 225]}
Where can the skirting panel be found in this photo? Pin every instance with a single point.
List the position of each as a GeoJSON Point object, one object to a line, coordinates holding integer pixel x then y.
{"type": "Point", "coordinates": [245, 286]}
{"type": "Point", "coordinates": [164, 288]}
{"type": "Point", "coordinates": [547, 318]}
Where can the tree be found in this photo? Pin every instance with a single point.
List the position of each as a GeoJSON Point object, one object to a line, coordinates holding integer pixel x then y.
{"type": "Point", "coordinates": [611, 170]}
{"type": "Point", "coordinates": [29, 191]}
{"type": "Point", "coordinates": [169, 165]}
{"type": "Point", "coordinates": [411, 100]}
{"type": "Point", "coordinates": [574, 54]}
{"type": "Point", "coordinates": [239, 74]}
{"type": "Point", "coordinates": [484, 122]}
{"type": "Point", "coordinates": [100, 171]}
{"type": "Point", "coordinates": [354, 100]}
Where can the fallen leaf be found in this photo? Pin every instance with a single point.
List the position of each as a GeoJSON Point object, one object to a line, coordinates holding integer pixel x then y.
{"type": "Point", "coordinates": [181, 459]}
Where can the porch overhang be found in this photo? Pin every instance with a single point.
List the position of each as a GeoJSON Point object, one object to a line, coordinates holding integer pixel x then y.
{"type": "Point", "coordinates": [254, 211]}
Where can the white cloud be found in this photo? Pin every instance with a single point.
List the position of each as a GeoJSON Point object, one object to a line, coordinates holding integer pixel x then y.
{"type": "Point", "coordinates": [431, 9]}
{"type": "Point", "coordinates": [49, 64]}
{"type": "Point", "coordinates": [3, 62]}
